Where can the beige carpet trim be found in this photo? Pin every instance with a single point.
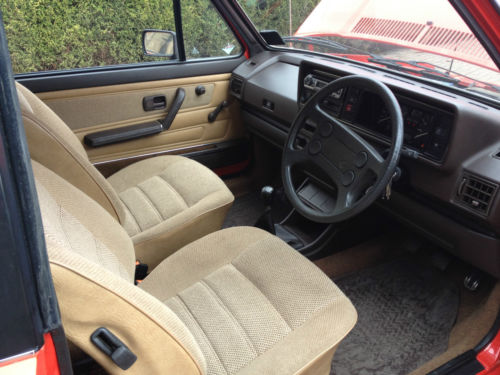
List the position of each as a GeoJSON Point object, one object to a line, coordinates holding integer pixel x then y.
{"type": "Point", "coordinates": [472, 325]}
{"type": "Point", "coordinates": [468, 333]}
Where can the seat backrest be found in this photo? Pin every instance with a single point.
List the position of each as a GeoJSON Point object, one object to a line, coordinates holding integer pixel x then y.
{"type": "Point", "coordinates": [92, 262]}
{"type": "Point", "coordinates": [52, 143]}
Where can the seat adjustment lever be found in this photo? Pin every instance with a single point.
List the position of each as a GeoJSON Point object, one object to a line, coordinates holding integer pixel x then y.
{"type": "Point", "coordinates": [113, 347]}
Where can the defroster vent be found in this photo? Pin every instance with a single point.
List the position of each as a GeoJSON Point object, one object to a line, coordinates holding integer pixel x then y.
{"type": "Point", "coordinates": [476, 193]}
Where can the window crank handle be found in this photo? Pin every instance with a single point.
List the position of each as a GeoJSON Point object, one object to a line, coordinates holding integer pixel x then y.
{"type": "Point", "coordinates": [213, 115]}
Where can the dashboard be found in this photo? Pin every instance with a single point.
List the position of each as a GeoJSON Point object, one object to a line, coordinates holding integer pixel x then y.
{"type": "Point", "coordinates": [451, 153]}
{"type": "Point", "coordinates": [426, 128]}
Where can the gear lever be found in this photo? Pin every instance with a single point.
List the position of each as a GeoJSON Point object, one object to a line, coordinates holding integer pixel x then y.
{"type": "Point", "coordinates": [267, 194]}
{"type": "Point", "coordinates": [266, 221]}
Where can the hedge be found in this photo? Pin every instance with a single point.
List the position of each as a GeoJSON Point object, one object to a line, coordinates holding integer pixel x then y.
{"type": "Point", "coordinates": [65, 34]}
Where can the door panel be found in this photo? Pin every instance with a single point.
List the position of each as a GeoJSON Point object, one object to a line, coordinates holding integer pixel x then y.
{"type": "Point", "coordinates": [94, 109]}
{"type": "Point", "coordinates": [82, 108]}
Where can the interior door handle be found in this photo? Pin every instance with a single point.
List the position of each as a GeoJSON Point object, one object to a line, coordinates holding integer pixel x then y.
{"type": "Point", "coordinates": [152, 103]}
{"type": "Point", "coordinates": [176, 105]}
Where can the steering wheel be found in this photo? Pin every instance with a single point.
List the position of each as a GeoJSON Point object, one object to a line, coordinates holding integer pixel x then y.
{"type": "Point", "coordinates": [358, 171]}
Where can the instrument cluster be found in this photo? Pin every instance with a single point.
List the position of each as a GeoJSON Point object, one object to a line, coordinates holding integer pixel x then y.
{"type": "Point", "coordinates": [427, 128]}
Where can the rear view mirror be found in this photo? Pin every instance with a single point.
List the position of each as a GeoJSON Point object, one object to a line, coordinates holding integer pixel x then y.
{"type": "Point", "coordinates": [159, 43]}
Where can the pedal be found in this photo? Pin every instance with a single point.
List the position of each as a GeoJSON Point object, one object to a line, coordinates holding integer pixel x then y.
{"type": "Point", "coordinates": [412, 244]}
{"type": "Point", "coordinates": [441, 260]}
{"type": "Point", "coordinates": [472, 281]}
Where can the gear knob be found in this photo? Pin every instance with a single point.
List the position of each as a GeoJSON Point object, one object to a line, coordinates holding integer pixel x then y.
{"type": "Point", "coordinates": [267, 194]}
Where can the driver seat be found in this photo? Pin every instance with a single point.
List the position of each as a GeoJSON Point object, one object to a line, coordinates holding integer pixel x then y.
{"type": "Point", "coordinates": [237, 301]}
{"type": "Point", "coordinates": [163, 202]}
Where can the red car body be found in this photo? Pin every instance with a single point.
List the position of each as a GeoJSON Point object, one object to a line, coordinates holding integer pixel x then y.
{"type": "Point", "coordinates": [483, 17]}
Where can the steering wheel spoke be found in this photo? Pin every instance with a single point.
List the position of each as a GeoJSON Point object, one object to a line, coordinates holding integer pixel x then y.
{"type": "Point", "coordinates": [374, 163]}
{"type": "Point", "coordinates": [363, 184]}
{"type": "Point", "coordinates": [343, 200]}
{"type": "Point", "coordinates": [350, 139]}
{"type": "Point", "coordinates": [311, 158]}
{"type": "Point", "coordinates": [297, 157]}
{"type": "Point", "coordinates": [322, 162]}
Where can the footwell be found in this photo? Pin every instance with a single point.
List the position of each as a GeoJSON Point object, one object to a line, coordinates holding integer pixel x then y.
{"type": "Point", "coordinates": [406, 312]}
{"type": "Point", "coordinates": [246, 210]}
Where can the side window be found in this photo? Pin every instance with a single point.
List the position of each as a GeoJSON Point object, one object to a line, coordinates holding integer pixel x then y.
{"type": "Point", "coordinates": [205, 32]}
{"type": "Point", "coordinates": [47, 35]}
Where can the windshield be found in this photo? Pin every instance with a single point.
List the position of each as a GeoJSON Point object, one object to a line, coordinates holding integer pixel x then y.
{"type": "Point", "coordinates": [425, 38]}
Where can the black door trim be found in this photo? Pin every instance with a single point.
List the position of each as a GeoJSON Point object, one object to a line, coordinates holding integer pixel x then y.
{"type": "Point", "coordinates": [84, 78]}
{"type": "Point", "coordinates": [28, 295]}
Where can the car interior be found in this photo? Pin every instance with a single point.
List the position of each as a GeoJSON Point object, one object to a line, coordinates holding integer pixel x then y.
{"type": "Point", "coordinates": [278, 213]}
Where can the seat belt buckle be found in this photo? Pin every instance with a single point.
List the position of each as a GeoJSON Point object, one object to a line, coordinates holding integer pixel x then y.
{"type": "Point", "coordinates": [113, 347]}
{"type": "Point", "coordinates": [141, 271]}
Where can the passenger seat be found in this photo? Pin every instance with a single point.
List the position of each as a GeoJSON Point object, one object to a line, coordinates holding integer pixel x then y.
{"type": "Point", "coordinates": [163, 203]}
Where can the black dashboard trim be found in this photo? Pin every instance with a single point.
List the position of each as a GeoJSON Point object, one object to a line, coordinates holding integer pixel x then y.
{"type": "Point", "coordinates": [473, 130]}
{"type": "Point", "coordinates": [405, 98]}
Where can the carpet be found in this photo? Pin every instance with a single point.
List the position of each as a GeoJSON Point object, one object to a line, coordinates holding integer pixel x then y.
{"type": "Point", "coordinates": [406, 313]}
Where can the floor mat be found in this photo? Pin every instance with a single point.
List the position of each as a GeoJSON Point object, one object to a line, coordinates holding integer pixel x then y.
{"type": "Point", "coordinates": [405, 315]}
{"type": "Point", "coordinates": [246, 210]}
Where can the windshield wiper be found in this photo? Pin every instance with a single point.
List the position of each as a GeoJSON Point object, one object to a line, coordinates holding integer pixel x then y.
{"type": "Point", "coordinates": [418, 68]}
{"type": "Point", "coordinates": [411, 66]}
{"type": "Point", "coordinates": [414, 68]}
{"type": "Point", "coordinates": [435, 73]}
{"type": "Point", "coordinates": [323, 42]}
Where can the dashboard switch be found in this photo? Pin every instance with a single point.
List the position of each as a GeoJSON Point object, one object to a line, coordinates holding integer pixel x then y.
{"type": "Point", "coordinates": [266, 103]}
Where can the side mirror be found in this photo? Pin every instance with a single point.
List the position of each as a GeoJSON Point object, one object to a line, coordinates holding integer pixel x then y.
{"type": "Point", "coordinates": [159, 43]}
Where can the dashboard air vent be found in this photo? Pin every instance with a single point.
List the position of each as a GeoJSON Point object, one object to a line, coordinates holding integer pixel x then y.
{"type": "Point", "coordinates": [236, 85]}
{"type": "Point", "coordinates": [476, 194]}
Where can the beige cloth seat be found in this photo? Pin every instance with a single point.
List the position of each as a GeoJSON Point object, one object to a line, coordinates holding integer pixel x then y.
{"type": "Point", "coordinates": [163, 203]}
{"type": "Point", "coordinates": [237, 301]}
{"type": "Point", "coordinates": [169, 201]}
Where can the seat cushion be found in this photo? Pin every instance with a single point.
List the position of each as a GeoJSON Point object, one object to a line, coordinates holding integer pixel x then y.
{"type": "Point", "coordinates": [253, 304]}
{"type": "Point", "coordinates": [169, 202]}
